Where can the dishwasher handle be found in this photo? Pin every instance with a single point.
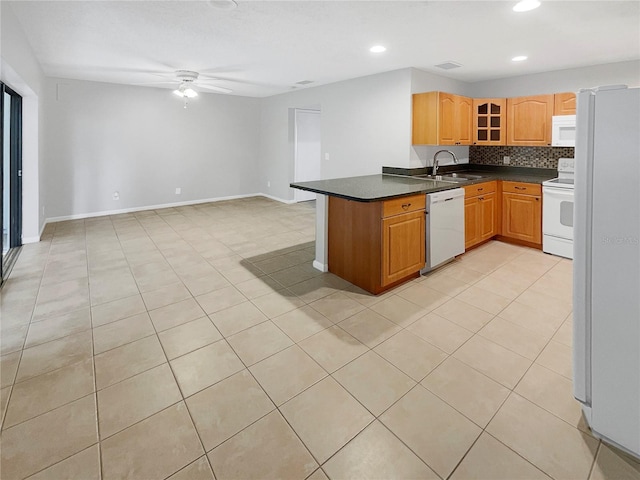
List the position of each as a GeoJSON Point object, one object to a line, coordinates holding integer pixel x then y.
{"type": "Point", "coordinates": [445, 196]}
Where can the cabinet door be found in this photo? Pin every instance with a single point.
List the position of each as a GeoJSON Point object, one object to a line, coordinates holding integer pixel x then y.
{"type": "Point", "coordinates": [564, 103]}
{"type": "Point", "coordinates": [464, 121]}
{"type": "Point", "coordinates": [471, 222]}
{"type": "Point", "coordinates": [522, 217]}
{"type": "Point", "coordinates": [488, 209]}
{"type": "Point", "coordinates": [425, 119]}
{"type": "Point", "coordinates": [446, 119]}
{"type": "Point", "coordinates": [489, 121]}
{"type": "Point", "coordinates": [529, 120]}
{"type": "Point", "coordinates": [403, 246]}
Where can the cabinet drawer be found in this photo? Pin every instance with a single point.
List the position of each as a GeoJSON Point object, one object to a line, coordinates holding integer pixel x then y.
{"type": "Point", "coordinates": [403, 205]}
{"type": "Point", "coordinates": [523, 188]}
{"type": "Point", "coordinates": [479, 189]}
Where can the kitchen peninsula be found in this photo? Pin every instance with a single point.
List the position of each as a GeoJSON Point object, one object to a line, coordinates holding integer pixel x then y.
{"type": "Point", "coordinates": [370, 230]}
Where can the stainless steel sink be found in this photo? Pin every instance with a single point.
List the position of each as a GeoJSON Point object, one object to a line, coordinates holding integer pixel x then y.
{"type": "Point", "coordinates": [452, 177]}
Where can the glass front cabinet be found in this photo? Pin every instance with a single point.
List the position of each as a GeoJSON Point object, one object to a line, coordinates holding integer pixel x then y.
{"type": "Point", "coordinates": [489, 121]}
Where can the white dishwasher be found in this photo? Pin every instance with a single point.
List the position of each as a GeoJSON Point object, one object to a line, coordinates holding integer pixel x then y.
{"type": "Point", "coordinates": [445, 227]}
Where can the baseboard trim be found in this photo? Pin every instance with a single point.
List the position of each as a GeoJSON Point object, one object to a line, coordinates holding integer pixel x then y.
{"type": "Point", "coordinates": [323, 267]}
{"type": "Point", "coordinates": [156, 207]}
{"type": "Point", "coordinates": [277, 199]}
{"type": "Point", "coordinates": [31, 239]}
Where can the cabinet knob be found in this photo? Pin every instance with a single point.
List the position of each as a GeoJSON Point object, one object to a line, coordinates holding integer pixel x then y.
{"type": "Point", "coordinates": [405, 206]}
{"type": "Point", "coordinates": [480, 189]}
{"type": "Point", "coordinates": [520, 188]}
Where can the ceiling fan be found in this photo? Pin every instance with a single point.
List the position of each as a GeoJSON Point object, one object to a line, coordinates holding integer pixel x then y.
{"type": "Point", "coordinates": [187, 80]}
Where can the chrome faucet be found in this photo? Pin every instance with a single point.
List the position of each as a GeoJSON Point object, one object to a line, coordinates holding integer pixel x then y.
{"type": "Point", "coordinates": [435, 160]}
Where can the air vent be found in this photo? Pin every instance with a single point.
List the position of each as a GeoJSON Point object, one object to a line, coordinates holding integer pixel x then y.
{"type": "Point", "coordinates": [304, 82]}
{"type": "Point", "coordinates": [448, 65]}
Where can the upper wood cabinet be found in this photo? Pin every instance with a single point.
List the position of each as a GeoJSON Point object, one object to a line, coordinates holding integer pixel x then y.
{"type": "Point", "coordinates": [489, 121]}
{"type": "Point", "coordinates": [441, 118]}
{"type": "Point", "coordinates": [529, 120]}
{"type": "Point", "coordinates": [564, 103]}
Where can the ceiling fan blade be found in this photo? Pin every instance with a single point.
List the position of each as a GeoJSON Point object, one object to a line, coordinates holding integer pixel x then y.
{"type": "Point", "coordinates": [166, 82]}
{"type": "Point", "coordinates": [214, 88]}
{"type": "Point", "coordinates": [233, 80]}
{"type": "Point", "coordinates": [162, 82]}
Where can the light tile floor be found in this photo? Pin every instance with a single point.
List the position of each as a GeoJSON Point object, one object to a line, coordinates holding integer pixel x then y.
{"type": "Point", "coordinates": [187, 342]}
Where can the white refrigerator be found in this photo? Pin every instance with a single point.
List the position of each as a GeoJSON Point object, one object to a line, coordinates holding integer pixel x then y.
{"type": "Point", "coordinates": [606, 265]}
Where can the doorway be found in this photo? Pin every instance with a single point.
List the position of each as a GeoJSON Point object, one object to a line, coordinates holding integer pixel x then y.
{"type": "Point", "coordinates": [307, 150]}
{"type": "Point", "coordinates": [10, 178]}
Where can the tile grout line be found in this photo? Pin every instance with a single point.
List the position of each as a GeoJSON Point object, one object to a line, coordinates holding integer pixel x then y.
{"type": "Point", "coordinates": [294, 343]}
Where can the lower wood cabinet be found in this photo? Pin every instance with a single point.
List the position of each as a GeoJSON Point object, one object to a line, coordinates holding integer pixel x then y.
{"type": "Point", "coordinates": [522, 212]}
{"type": "Point", "coordinates": [403, 246]}
{"type": "Point", "coordinates": [376, 245]}
{"type": "Point", "coordinates": [481, 207]}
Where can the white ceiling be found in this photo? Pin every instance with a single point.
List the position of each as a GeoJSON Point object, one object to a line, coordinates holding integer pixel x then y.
{"type": "Point", "coordinates": [263, 48]}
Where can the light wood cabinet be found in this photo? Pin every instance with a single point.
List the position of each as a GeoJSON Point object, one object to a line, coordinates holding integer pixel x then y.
{"type": "Point", "coordinates": [376, 245]}
{"type": "Point", "coordinates": [529, 120]}
{"type": "Point", "coordinates": [564, 103]}
{"type": "Point", "coordinates": [481, 208]}
{"type": "Point", "coordinates": [522, 212]}
{"type": "Point", "coordinates": [403, 246]}
{"type": "Point", "coordinates": [441, 118]}
{"type": "Point", "coordinates": [489, 121]}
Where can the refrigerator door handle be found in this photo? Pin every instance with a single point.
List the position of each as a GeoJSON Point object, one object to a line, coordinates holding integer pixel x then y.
{"type": "Point", "coordinates": [582, 214]}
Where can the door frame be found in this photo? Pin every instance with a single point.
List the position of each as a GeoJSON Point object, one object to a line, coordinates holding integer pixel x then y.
{"type": "Point", "coordinates": [301, 195]}
{"type": "Point", "coordinates": [15, 184]}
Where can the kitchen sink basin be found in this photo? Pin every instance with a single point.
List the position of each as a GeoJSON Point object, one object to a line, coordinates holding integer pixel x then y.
{"type": "Point", "coordinates": [453, 177]}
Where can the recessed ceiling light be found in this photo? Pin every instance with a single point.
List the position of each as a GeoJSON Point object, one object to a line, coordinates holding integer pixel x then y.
{"type": "Point", "coordinates": [378, 49]}
{"type": "Point", "coordinates": [223, 4]}
{"type": "Point", "coordinates": [519, 58]}
{"type": "Point", "coordinates": [526, 5]}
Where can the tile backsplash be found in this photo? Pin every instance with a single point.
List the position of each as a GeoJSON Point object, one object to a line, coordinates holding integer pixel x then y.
{"type": "Point", "coordinates": [537, 157]}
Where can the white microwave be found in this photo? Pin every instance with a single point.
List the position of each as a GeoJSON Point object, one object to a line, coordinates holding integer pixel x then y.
{"type": "Point", "coordinates": [563, 131]}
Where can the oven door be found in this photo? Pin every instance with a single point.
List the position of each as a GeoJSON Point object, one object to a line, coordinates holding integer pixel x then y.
{"type": "Point", "coordinates": [557, 212]}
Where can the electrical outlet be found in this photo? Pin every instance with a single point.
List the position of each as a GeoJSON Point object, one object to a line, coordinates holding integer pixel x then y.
{"type": "Point", "coordinates": [268, 183]}
{"type": "Point", "coordinates": [43, 210]}
{"type": "Point", "coordinates": [326, 156]}
{"type": "Point", "coordinates": [506, 160]}
{"type": "Point", "coordinates": [178, 191]}
{"type": "Point", "coordinates": [116, 196]}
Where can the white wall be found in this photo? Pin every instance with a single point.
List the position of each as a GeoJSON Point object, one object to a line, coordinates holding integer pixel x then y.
{"type": "Point", "coordinates": [422, 81]}
{"type": "Point", "coordinates": [20, 70]}
{"type": "Point", "coordinates": [366, 124]}
{"type": "Point", "coordinates": [570, 80]}
{"type": "Point", "coordinates": [141, 142]}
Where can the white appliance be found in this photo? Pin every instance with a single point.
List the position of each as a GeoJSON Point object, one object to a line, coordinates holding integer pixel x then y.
{"type": "Point", "coordinates": [563, 131]}
{"type": "Point", "coordinates": [557, 211]}
{"type": "Point", "coordinates": [606, 266]}
{"type": "Point", "coordinates": [445, 227]}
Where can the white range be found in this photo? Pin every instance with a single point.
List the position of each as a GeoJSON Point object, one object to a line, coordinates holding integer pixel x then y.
{"type": "Point", "coordinates": [557, 211]}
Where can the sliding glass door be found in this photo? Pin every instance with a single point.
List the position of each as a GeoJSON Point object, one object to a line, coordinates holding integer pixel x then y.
{"type": "Point", "coordinates": [10, 177]}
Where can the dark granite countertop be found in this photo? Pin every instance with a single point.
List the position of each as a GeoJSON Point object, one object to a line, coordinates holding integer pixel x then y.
{"type": "Point", "coordinates": [400, 182]}
{"type": "Point", "coordinates": [373, 188]}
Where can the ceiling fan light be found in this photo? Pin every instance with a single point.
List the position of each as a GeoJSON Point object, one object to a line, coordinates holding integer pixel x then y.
{"type": "Point", "coordinates": [185, 91]}
{"type": "Point", "coordinates": [526, 5]}
{"type": "Point", "coordinates": [189, 93]}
